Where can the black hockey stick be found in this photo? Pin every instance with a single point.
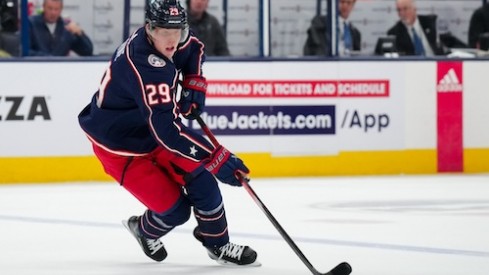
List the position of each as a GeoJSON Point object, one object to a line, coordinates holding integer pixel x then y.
{"type": "Point", "coordinates": [341, 269]}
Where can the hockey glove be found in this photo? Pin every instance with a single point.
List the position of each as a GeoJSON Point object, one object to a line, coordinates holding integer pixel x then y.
{"type": "Point", "coordinates": [226, 166]}
{"type": "Point", "coordinates": [193, 95]}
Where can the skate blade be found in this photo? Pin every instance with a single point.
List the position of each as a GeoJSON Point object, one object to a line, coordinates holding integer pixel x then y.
{"type": "Point", "coordinates": [126, 225]}
{"type": "Point", "coordinates": [230, 264]}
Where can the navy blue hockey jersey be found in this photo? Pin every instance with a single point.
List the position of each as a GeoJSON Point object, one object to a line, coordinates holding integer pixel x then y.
{"type": "Point", "coordinates": [135, 108]}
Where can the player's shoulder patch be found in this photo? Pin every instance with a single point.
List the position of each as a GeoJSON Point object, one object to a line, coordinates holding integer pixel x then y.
{"type": "Point", "coordinates": [156, 61]}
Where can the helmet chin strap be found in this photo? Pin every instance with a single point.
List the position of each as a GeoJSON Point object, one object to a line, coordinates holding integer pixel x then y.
{"type": "Point", "coordinates": [149, 35]}
{"type": "Point", "coordinates": [185, 34]}
{"type": "Point", "coordinates": [150, 39]}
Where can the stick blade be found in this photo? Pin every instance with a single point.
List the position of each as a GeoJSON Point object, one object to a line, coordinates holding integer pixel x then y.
{"type": "Point", "coordinates": [342, 269]}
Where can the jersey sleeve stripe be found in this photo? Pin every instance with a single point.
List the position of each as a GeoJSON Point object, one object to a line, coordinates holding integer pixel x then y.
{"type": "Point", "coordinates": [201, 54]}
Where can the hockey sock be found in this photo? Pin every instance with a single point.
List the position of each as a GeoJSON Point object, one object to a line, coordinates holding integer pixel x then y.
{"type": "Point", "coordinates": [204, 194]}
{"type": "Point", "coordinates": [213, 226]}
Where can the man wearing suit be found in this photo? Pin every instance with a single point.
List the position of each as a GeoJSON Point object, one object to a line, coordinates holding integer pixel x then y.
{"type": "Point", "coordinates": [479, 24]}
{"type": "Point", "coordinates": [415, 34]}
{"type": "Point", "coordinates": [349, 37]}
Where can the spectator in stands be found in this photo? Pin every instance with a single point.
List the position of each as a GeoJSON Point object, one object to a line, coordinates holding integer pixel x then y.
{"type": "Point", "coordinates": [8, 16]}
{"type": "Point", "coordinates": [318, 41]}
{"type": "Point", "coordinates": [479, 24]}
{"type": "Point", "coordinates": [9, 36]}
{"type": "Point", "coordinates": [415, 34]}
{"type": "Point", "coordinates": [207, 28]}
{"type": "Point", "coordinates": [52, 35]}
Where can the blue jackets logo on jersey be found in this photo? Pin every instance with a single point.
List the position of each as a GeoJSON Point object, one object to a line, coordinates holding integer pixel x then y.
{"type": "Point", "coordinates": [156, 61]}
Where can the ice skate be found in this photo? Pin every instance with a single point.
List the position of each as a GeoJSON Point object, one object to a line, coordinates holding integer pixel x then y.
{"type": "Point", "coordinates": [230, 253]}
{"type": "Point", "coordinates": [153, 248]}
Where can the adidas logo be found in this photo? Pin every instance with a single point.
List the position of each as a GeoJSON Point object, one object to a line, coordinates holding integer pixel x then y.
{"type": "Point", "coordinates": [449, 83]}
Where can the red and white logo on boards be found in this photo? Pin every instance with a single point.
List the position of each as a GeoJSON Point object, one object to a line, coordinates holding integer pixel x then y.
{"type": "Point", "coordinates": [450, 81]}
{"type": "Point", "coordinates": [450, 148]}
{"type": "Point", "coordinates": [298, 88]}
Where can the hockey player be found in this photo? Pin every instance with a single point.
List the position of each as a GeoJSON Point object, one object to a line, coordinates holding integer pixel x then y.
{"type": "Point", "coordinates": [133, 123]}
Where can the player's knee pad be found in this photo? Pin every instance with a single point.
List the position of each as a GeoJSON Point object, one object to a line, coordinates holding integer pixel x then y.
{"type": "Point", "coordinates": [159, 224]}
{"type": "Point", "coordinates": [203, 192]}
{"type": "Point", "coordinates": [177, 215]}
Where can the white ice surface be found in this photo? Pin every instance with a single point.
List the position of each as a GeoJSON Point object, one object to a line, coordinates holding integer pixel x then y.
{"type": "Point", "coordinates": [412, 225]}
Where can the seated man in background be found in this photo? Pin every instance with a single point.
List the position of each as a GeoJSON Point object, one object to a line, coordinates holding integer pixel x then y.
{"type": "Point", "coordinates": [51, 35]}
{"type": "Point", "coordinates": [318, 41]}
{"type": "Point", "coordinates": [415, 34]}
{"type": "Point", "coordinates": [479, 24]}
{"type": "Point", "coordinates": [207, 28]}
